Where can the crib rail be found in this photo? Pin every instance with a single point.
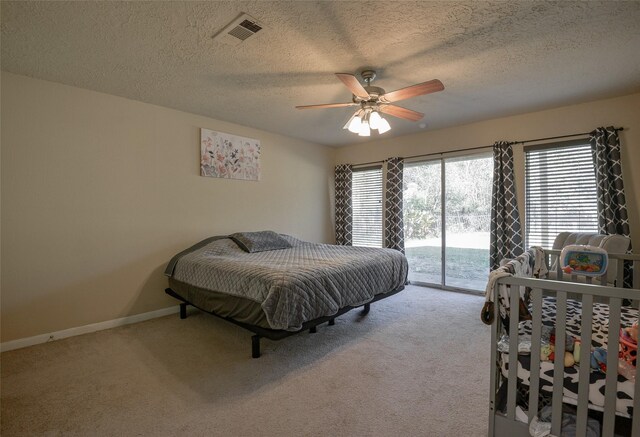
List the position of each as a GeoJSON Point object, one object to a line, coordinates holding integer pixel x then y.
{"type": "Point", "coordinates": [506, 424]}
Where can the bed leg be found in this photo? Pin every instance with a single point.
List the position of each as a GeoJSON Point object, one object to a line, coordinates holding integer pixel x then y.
{"type": "Point", "coordinates": [332, 322]}
{"type": "Point", "coordinates": [313, 330]}
{"type": "Point", "coordinates": [366, 309]}
{"type": "Point", "coordinates": [255, 346]}
{"type": "Point", "coordinates": [183, 310]}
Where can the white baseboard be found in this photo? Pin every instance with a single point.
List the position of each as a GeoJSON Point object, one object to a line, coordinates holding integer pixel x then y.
{"type": "Point", "coordinates": [43, 338]}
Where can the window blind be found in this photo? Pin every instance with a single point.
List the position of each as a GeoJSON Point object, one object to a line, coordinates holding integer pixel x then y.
{"type": "Point", "coordinates": [560, 193]}
{"type": "Point", "coordinates": [367, 207]}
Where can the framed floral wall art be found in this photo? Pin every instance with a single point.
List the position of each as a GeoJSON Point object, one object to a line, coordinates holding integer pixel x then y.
{"type": "Point", "coordinates": [229, 156]}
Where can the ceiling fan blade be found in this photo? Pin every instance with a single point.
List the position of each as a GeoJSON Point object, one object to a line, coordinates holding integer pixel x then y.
{"type": "Point", "coordinates": [327, 105]}
{"type": "Point", "coordinates": [431, 86]}
{"type": "Point", "coordinates": [354, 86]}
{"type": "Point", "coordinates": [400, 112]}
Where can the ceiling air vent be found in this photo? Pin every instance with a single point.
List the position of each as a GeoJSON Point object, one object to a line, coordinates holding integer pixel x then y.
{"type": "Point", "coordinates": [238, 30]}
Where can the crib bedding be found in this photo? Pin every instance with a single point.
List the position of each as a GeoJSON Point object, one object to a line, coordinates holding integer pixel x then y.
{"type": "Point", "coordinates": [291, 285]}
{"type": "Point", "coordinates": [624, 404]}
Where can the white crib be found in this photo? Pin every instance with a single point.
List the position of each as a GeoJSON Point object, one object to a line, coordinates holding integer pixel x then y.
{"type": "Point", "coordinates": [503, 421]}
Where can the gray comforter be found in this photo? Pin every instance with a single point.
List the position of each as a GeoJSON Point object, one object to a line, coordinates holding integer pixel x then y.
{"type": "Point", "coordinates": [292, 285]}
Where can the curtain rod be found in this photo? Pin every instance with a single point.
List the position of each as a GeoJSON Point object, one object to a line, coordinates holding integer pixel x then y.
{"type": "Point", "coordinates": [427, 154]}
{"type": "Point", "coordinates": [582, 134]}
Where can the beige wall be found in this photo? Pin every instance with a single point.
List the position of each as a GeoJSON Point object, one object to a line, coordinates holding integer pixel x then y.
{"type": "Point", "coordinates": [622, 111]}
{"type": "Point", "coordinates": [98, 192]}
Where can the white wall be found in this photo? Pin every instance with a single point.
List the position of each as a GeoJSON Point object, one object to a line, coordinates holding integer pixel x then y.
{"type": "Point", "coordinates": [98, 192]}
{"type": "Point", "coordinates": [620, 112]}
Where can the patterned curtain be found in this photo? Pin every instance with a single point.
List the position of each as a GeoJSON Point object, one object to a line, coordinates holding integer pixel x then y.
{"type": "Point", "coordinates": [612, 205]}
{"type": "Point", "coordinates": [393, 224]}
{"type": "Point", "coordinates": [505, 235]}
{"type": "Point", "coordinates": [344, 218]}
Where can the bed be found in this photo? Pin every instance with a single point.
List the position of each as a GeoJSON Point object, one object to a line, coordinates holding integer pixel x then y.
{"type": "Point", "coordinates": [576, 397]}
{"type": "Point", "coordinates": [276, 285]}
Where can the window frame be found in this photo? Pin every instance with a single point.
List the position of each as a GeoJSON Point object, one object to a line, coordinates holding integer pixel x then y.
{"type": "Point", "coordinates": [527, 219]}
{"type": "Point", "coordinates": [376, 167]}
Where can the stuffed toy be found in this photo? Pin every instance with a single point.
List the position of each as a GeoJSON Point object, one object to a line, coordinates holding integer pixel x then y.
{"type": "Point", "coordinates": [568, 359]}
{"type": "Point", "coordinates": [599, 359]}
{"type": "Point", "coordinates": [568, 342]}
{"type": "Point", "coordinates": [632, 331]}
{"type": "Point", "coordinates": [576, 351]}
{"type": "Point", "coordinates": [547, 352]}
{"type": "Point", "coordinates": [569, 347]}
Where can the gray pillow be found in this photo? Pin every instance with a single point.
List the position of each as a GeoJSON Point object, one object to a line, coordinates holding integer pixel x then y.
{"type": "Point", "coordinates": [259, 241]}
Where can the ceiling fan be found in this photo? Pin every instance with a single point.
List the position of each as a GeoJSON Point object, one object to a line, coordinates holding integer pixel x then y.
{"type": "Point", "coordinates": [373, 100]}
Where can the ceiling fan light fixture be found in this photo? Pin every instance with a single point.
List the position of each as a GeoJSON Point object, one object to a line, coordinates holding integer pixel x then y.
{"type": "Point", "coordinates": [373, 100]}
{"type": "Point", "coordinates": [374, 120]}
{"type": "Point", "coordinates": [383, 126]}
{"type": "Point", "coordinates": [348, 123]}
{"type": "Point", "coordinates": [354, 123]}
{"type": "Point", "coordinates": [365, 131]}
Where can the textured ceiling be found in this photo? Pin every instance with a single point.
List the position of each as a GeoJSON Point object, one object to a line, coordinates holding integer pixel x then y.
{"type": "Point", "coordinates": [494, 58]}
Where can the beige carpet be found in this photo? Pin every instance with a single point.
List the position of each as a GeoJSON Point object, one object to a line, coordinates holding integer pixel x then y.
{"type": "Point", "coordinates": [417, 365]}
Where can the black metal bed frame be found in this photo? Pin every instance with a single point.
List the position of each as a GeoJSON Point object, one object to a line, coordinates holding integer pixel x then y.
{"type": "Point", "coordinates": [279, 334]}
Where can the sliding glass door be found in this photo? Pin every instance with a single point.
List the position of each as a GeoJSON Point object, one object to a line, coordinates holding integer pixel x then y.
{"type": "Point", "coordinates": [447, 205]}
{"type": "Point", "coordinates": [467, 184]}
{"type": "Point", "coordinates": [422, 199]}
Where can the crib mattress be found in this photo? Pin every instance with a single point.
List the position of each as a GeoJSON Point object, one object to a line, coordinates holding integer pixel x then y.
{"type": "Point", "coordinates": [600, 329]}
